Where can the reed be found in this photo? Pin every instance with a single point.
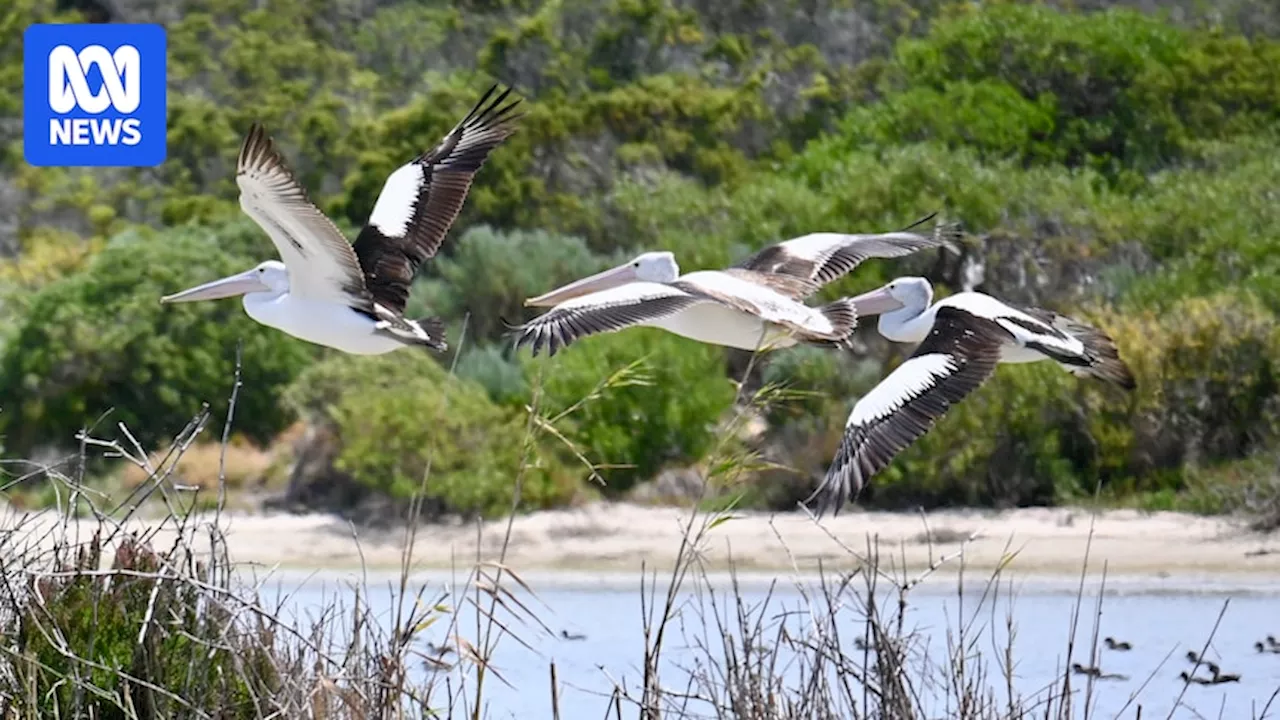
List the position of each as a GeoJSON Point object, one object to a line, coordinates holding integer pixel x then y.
{"type": "Point", "coordinates": [113, 623]}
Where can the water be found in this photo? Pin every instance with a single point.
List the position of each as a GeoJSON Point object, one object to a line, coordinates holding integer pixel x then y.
{"type": "Point", "coordinates": [1162, 621]}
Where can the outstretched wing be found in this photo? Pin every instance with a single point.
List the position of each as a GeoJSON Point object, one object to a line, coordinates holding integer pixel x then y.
{"type": "Point", "coordinates": [743, 292]}
{"type": "Point", "coordinates": [822, 258]}
{"type": "Point", "coordinates": [606, 311]}
{"type": "Point", "coordinates": [958, 355]}
{"type": "Point", "coordinates": [421, 199]}
{"type": "Point", "coordinates": [320, 261]}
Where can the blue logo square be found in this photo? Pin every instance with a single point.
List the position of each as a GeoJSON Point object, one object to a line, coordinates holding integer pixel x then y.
{"type": "Point", "coordinates": [94, 95]}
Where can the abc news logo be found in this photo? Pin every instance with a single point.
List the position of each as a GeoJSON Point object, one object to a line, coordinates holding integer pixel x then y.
{"type": "Point", "coordinates": [94, 95]}
{"type": "Point", "coordinates": [69, 89]}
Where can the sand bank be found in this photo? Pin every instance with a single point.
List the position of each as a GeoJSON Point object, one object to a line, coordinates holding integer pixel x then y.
{"type": "Point", "coordinates": [608, 537]}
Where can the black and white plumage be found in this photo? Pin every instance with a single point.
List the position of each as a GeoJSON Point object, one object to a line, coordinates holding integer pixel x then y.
{"type": "Point", "coordinates": [962, 339]}
{"type": "Point", "coordinates": [352, 297]}
{"type": "Point", "coordinates": [824, 257]}
{"type": "Point", "coordinates": [420, 200]}
{"type": "Point", "coordinates": [755, 304]}
{"type": "Point", "coordinates": [734, 308]}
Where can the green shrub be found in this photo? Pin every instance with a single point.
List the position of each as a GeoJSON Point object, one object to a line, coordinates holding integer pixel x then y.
{"type": "Point", "coordinates": [86, 626]}
{"type": "Point", "coordinates": [490, 274]}
{"type": "Point", "coordinates": [1126, 90]}
{"type": "Point", "coordinates": [664, 412]}
{"type": "Point", "coordinates": [399, 416]}
{"type": "Point", "coordinates": [100, 340]}
{"type": "Point", "coordinates": [1210, 227]}
{"type": "Point", "coordinates": [492, 368]}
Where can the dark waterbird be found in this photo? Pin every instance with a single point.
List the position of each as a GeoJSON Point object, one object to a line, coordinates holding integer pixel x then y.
{"type": "Point", "coordinates": [1112, 644]}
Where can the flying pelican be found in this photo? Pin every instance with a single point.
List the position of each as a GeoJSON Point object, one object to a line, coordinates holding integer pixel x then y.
{"type": "Point", "coordinates": [328, 291]}
{"type": "Point", "coordinates": [754, 304]}
{"type": "Point", "coordinates": [962, 339]}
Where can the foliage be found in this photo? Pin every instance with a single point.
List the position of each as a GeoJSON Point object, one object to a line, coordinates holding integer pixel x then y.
{"type": "Point", "coordinates": [403, 420]}
{"type": "Point", "coordinates": [85, 615]}
{"type": "Point", "coordinates": [1102, 159]}
{"type": "Point", "coordinates": [100, 340]}
{"type": "Point", "coordinates": [490, 274]}
{"type": "Point", "coordinates": [1116, 90]}
{"type": "Point", "coordinates": [655, 399]}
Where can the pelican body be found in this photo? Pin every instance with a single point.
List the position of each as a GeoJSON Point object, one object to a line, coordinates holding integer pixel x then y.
{"type": "Point", "coordinates": [757, 304]}
{"type": "Point", "coordinates": [739, 309]}
{"type": "Point", "coordinates": [330, 292]}
{"type": "Point", "coordinates": [961, 340]}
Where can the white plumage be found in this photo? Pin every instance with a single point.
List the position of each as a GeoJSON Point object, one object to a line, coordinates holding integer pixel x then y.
{"type": "Point", "coordinates": [961, 340]}
{"type": "Point", "coordinates": [352, 297]}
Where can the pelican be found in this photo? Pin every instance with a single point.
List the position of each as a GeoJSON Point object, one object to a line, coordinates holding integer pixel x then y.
{"type": "Point", "coordinates": [962, 339]}
{"type": "Point", "coordinates": [757, 303]}
{"type": "Point", "coordinates": [328, 291]}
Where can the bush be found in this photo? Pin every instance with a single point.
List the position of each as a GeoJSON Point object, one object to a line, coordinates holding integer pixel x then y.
{"type": "Point", "coordinates": [400, 418]}
{"type": "Point", "coordinates": [663, 411]}
{"type": "Point", "coordinates": [490, 274]}
{"type": "Point", "coordinates": [192, 642]}
{"type": "Point", "coordinates": [495, 370]}
{"type": "Point", "coordinates": [100, 340]}
{"type": "Point", "coordinates": [1124, 90]}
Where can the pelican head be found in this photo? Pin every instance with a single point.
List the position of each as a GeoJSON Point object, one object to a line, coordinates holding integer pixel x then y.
{"type": "Point", "coordinates": [269, 277]}
{"type": "Point", "coordinates": [657, 267]}
{"type": "Point", "coordinates": [904, 292]}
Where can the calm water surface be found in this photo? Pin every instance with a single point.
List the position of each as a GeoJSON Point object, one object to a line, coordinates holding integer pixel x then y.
{"type": "Point", "coordinates": [1162, 623]}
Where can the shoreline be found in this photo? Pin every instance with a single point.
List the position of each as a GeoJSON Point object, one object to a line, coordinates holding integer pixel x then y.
{"type": "Point", "coordinates": [612, 540]}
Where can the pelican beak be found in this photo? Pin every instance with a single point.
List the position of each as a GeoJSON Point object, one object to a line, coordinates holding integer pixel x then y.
{"type": "Point", "coordinates": [612, 277]}
{"type": "Point", "coordinates": [876, 302]}
{"type": "Point", "coordinates": [245, 282]}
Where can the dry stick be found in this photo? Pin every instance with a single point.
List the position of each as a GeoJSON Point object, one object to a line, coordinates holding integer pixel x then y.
{"type": "Point", "coordinates": [555, 693]}
{"type": "Point", "coordinates": [1095, 659]}
{"type": "Point", "coordinates": [488, 643]}
{"type": "Point", "coordinates": [1266, 708]}
{"type": "Point", "coordinates": [653, 652]}
{"type": "Point", "coordinates": [1075, 618]}
{"type": "Point", "coordinates": [1203, 650]}
{"type": "Point", "coordinates": [226, 435]}
{"type": "Point", "coordinates": [1150, 676]}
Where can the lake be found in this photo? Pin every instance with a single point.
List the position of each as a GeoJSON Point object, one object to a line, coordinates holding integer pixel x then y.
{"type": "Point", "coordinates": [1162, 620]}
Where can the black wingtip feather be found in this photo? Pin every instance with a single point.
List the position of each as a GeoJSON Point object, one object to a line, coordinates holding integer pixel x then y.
{"type": "Point", "coordinates": [920, 222]}
{"type": "Point", "coordinates": [433, 327]}
{"type": "Point", "coordinates": [840, 484]}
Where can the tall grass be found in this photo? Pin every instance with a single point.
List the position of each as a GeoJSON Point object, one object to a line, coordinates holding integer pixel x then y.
{"type": "Point", "coordinates": [100, 620]}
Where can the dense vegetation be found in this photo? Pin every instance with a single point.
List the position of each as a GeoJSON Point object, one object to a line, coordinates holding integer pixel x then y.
{"type": "Point", "coordinates": [1111, 164]}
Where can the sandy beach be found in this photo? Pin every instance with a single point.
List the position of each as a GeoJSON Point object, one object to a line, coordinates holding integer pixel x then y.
{"type": "Point", "coordinates": [617, 538]}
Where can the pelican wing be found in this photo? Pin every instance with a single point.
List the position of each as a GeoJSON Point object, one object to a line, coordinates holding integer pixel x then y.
{"type": "Point", "coordinates": [822, 258]}
{"type": "Point", "coordinates": [421, 199]}
{"type": "Point", "coordinates": [320, 260]}
{"type": "Point", "coordinates": [791, 286]}
{"type": "Point", "coordinates": [958, 355]}
{"type": "Point", "coordinates": [609, 310]}
{"type": "Point", "coordinates": [741, 292]}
